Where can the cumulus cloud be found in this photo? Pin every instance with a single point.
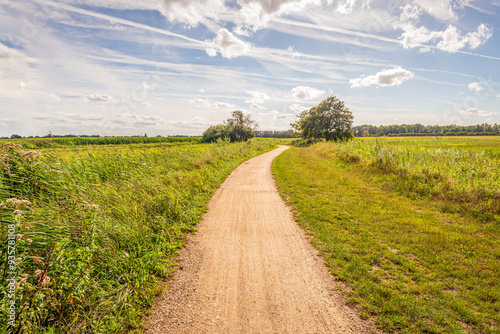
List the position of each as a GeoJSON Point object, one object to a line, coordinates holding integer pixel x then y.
{"type": "Point", "coordinates": [476, 86]}
{"type": "Point", "coordinates": [6, 52]}
{"type": "Point", "coordinates": [345, 6]}
{"type": "Point", "coordinates": [386, 77]}
{"type": "Point", "coordinates": [227, 44]}
{"type": "Point", "coordinates": [201, 103]}
{"type": "Point", "coordinates": [256, 13]}
{"type": "Point", "coordinates": [450, 40]}
{"type": "Point", "coordinates": [306, 93]}
{"type": "Point", "coordinates": [190, 12]}
{"type": "Point", "coordinates": [255, 106]}
{"type": "Point", "coordinates": [439, 9]}
{"type": "Point", "coordinates": [223, 105]}
{"type": "Point", "coordinates": [295, 107]}
{"type": "Point", "coordinates": [99, 98]}
{"type": "Point", "coordinates": [477, 112]}
{"type": "Point", "coordinates": [257, 97]}
{"type": "Point", "coordinates": [410, 13]}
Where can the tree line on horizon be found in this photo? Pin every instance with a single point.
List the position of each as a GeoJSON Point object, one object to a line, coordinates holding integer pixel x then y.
{"type": "Point", "coordinates": [418, 129]}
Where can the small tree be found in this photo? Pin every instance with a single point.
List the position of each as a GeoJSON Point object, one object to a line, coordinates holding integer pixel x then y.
{"type": "Point", "coordinates": [239, 127]}
{"type": "Point", "coordinates": [330, 120]}
{"type": "Point", "coordinates": [215, 132]}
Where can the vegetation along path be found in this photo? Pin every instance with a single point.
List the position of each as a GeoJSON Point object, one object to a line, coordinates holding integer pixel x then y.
{"type": "Point", "coordinates": [250, 269]}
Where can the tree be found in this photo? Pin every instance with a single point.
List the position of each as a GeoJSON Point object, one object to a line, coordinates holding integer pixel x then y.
{"type": "Point", "coordinates": [330, 120]}
{"type": "Point", "coordinates": [239, 127]}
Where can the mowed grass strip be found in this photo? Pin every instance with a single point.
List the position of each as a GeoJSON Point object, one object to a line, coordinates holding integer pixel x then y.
{"type": "Point", "coordinates": [411, 266]}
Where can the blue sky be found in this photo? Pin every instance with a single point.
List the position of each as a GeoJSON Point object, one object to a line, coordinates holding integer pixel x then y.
{"type": "Point", "coordinates": [126, 67]}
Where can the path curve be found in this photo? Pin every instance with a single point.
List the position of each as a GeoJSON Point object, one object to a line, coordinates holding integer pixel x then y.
{"type": "Point", "coordinates": [251, 269]}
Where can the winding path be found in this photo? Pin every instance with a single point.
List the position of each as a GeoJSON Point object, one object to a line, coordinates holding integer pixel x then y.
{"type": "Point", "coordinates": [251, 269]}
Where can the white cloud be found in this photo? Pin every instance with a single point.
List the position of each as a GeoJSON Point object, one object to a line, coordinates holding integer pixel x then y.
{"type": "Point", "coordinates": [207, 104]}
{"type": "Point", "coordinates": [386, 77]}
{"type": "Point", "coordinates": [295, 107]}
{"type": "Point", "coordinates": [71, 95]}
{"type": "Point", "coordinates": [201, 103]}
{"type": "Point", "coordinates": [257, 97]}
{"type": "Point", "coordinates": [223, 105]}
{"type": "Point", "coordinates": [242, 30]}
{"type": "Point", "coordinates": [480, 36]}
{"type": "Point", "coordinates": [190, 12]}
{"type": "Point", "coordinates": [478, 112]}
{"type": "Point", "coordinates": [227, 44]}
{"type": "Point", "coordinates": [306, 93]}
{"type": "Point", "coordinates": [6, 52]}
{"type": "Point", "coordinates": [211, 52]}
{"type": "Point", "coordinates": [410, 13]}
{"type": "Point", "coordinates": [476, 86]}
{"type": "Point", "coordinates": [256, 13]}
{"type": "Point", "coordinates": [442, 10]}
{"type": "Point", "coordinates": [91, 122]}
{"type": "Point", "coordinates": [450, 39]}
{"type": "Point", "coordinates": [99, 98]}
{"type": "Point", "coordinates": [256, 106]}
{"type": "Point", "coordinates": [345, 6]}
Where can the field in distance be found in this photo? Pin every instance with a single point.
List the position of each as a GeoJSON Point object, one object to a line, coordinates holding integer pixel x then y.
{"type": "Point", "coordinates": [411, 225]}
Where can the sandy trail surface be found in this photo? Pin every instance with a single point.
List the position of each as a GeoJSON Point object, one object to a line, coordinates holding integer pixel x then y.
{"type": "Point", "coordinates": [251, 269]}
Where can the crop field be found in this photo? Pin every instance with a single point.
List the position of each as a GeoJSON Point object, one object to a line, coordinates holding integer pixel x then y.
{"type": "Point", "coordinates": [411, 226]}
{"type": "Point", "coordinates": [90, 232]}
{"type": "Point", "coordinates": [38, 143]}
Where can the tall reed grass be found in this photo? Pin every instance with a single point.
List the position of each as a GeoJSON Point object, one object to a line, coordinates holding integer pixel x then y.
{"type": "Point", "coordinates": [469, 177]}
{"type": "Point", "coordinates": [97, 231]}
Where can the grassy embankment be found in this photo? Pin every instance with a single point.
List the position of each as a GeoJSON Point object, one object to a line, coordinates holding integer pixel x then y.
{"type": "Point", "coordinates": [411, 226]}
{"type": "Point", "coordinates": [98, 228]}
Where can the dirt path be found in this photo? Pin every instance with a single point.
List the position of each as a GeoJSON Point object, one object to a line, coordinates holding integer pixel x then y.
{"type": "Point", "coordinates": [250, 269]}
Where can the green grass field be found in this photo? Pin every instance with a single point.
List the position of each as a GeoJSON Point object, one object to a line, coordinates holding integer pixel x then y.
{"type": "Point", "coordinates": [410, 225]}
{"type": "Point", "coordinates": [97, 227]}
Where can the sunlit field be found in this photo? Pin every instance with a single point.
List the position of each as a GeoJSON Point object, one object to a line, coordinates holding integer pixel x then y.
{"type": "Point", "coordinates": [410, 225]}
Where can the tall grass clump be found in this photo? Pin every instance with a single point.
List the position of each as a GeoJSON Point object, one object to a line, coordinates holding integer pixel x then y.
{"type": "Point", "coordinates": [95, 232]}
{"type": "Point", "coordinates": [469, 177]}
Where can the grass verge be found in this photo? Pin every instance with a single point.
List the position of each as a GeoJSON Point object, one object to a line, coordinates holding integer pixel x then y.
{"type": "Point", "coordinates": [94, 232]}
{"type": "Point", "coordinates": [413, 267]}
